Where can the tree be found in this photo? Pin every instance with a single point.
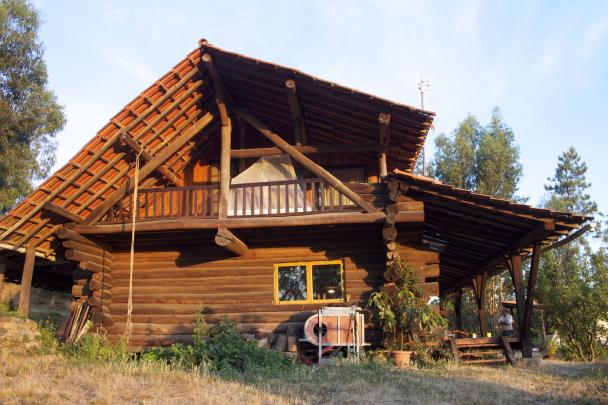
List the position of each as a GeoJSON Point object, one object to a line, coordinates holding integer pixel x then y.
{"type": "Point", "coordinates": [481, 159]}
{"type": "Point", "coordinates": [29, 114]}
{"type": "Point", "coordinates": [573, 280]}
{"type": "Point", "coordinates": [568, 187]}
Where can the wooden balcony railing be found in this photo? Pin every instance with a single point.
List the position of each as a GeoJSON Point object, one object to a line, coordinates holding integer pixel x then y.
{"type": "Point", "coordinates": [277, 198]}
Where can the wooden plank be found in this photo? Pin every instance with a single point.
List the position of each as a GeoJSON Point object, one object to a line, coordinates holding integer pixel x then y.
{"type": "Point", "coordinates": [26, 281]}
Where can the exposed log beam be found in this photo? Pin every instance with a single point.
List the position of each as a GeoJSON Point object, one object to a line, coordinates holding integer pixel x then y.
{"type": "Point", "coordinates": [307, 150]}
{"type": "Point", "coordinates": [236, 223]}
{"type": "Point", "coordinates": [160, 158]}
{"type": "Point", "coordinates": [301, 136]}
{"type": "Point", "coordinates": [306, 162]}
{"type": "Point", "coordinates": [230, 241]}
{"type": "Point", "coordinates": [26, 281]}
{"type": "Point", "coordinates": [162, 169]}
{"type": "Point", "coordinates": [62, 212]}
{"type": "Point", "coordinates": [226, 136]}
{"type": "Point", "coordinates": [384, 134]}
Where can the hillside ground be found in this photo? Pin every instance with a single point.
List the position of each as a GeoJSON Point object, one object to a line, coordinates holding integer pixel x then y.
{"type": "Point", "coordinates": [58, 379]}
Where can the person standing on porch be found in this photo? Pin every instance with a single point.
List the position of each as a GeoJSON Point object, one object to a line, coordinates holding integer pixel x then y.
{"type": "Point", "coordinates": [506, 323]}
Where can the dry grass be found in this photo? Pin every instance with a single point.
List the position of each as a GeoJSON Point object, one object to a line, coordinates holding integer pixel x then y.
{"type": "Point", "coordinates": [59, 380]}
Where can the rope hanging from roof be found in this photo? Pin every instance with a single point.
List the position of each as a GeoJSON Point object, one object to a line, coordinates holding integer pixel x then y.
{"type": "Point", "coordinates": [129, 325]}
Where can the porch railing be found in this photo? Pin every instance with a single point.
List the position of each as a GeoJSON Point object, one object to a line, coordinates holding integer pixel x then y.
{"type": "Point", "coordinates": [277, 198]}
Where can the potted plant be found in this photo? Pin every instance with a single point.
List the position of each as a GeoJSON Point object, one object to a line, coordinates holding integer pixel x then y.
{"type": "Point", "coordinates": [402, 313]}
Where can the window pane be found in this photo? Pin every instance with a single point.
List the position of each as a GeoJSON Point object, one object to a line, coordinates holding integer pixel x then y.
{"type": "Point", "coordinates": [292, 283]}
{"type": "Point", "coordinates": [326, 282]}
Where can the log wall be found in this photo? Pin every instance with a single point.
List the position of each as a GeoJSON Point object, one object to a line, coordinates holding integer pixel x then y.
{"type": "Point", "coordinates": [178, 275]}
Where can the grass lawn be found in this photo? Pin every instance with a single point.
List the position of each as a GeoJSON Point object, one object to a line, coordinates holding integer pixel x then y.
{"type": "Point", "coordinates": [55, 379]}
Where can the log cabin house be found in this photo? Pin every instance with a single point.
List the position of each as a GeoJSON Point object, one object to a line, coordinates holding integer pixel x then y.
{"type": "Point", "coordinates": [259, 193]}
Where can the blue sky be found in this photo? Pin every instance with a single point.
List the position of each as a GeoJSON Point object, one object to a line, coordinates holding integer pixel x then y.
{"type": "Point", "coordinates": [544, 63]}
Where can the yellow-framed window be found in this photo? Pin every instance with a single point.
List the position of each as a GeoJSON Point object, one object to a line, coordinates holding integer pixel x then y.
{"type": "Point", "coordinates": [309, 282]}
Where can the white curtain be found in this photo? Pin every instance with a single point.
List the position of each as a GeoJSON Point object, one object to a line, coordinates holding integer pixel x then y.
{"type": "Point", "coordinates": [267, 169]}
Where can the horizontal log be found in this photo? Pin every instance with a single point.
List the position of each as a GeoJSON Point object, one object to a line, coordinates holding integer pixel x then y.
{"type": "Point", "coordinates": [410, 216]}
{"type": "Point", "coordinates": [196, 289]}
{"type": "Point", "coordinates": [67, 233]}
{"type": "Point", "coordinates": [79, 256]}
{"type": "Point", "coordinates": [82, 281]}
{"type": "Point", "coordinates": [237, 223]}
{"type": "Point", "coordinates": [198, 298]}
{"type": "Point", "coordinates": [80, 290]}
{"type": "Point", "coordinates": [182, 329]}
{"type": "Point", "coordinates": [99, 285]}
{"type": "Point", "coordinates": [98, 301]}
{"type": "Point", "coordinates": [105, 294]}
{"type": "Point", "coordinates": [81, 247]}
{"type": "Point", "coordinates": [396, 207]}
{"type": "Point", "coordinates": [307, 150]}
{"type": "Point", "coordinates": [104, 277]}
{"type": "Point", "coordinates": [94, 267]}
{"type": "Point", "coordinates": [257, 317]}
{"type": "Point", "coordinates": [102, 319]}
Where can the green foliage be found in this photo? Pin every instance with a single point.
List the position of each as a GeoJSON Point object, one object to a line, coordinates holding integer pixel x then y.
{"type": "Point", "coordinates": [29, 114]}
{"type": "Point", "coordinates": [220, 348]}
{"type": "Point", "coordinates": [573, 279]}
{"type": "Point", "coordinates": [478, 158]}
{"type": "Point", "coordinates": [95, 347]}
{"type": "Point", "coordinates": [405, 315]}
{"type": "Point", "coordinates": [568, 186]}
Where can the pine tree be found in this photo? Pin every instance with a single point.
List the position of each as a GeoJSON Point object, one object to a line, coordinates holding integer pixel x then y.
{"type": "Point", "coordinates": [29, 114]}
{"type": "Point", "coordinates": [568, 186]}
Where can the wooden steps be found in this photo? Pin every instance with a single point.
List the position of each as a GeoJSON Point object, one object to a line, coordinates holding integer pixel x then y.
{"type": "Point", "coordinates": [483, 351]}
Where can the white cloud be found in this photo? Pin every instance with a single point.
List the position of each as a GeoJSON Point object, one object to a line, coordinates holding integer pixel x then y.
{"type": "Point", "coordinates": [593, 38]}
{"type": "Point", "coordinates": [142, 73]}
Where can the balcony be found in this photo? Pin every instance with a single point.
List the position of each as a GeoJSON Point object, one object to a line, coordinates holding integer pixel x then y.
{"type": "Point", "coordinates": [268, 199]}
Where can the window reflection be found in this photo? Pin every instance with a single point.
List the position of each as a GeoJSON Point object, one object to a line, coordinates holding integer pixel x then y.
{"type": "Point", "coordinates": [292, 283]}
{"type": "Point", "coordinates": [326, 282]}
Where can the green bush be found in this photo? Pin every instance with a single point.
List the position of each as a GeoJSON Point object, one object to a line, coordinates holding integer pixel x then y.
{"type": "Point", "coordinates": [219, 348]}
{"type": "Point", "coordinates": [97, 347]}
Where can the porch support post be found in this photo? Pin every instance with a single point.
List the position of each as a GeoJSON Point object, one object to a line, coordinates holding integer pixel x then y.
{"type": "Point", "coordinates": [514, 264]}
{"type": "Point", "coordinates": [26, 281]}
{"type": "Point", "coordinates": [384, 138]}
{"type": "Point", "coordinates": [458, 308]}
{"type": "Point", "coordinates": [527, 318]}
{"type": "Point", "coordinates": [479, 289]}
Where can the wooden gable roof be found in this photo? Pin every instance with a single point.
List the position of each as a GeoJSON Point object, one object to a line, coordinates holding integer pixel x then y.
{"type": "Point", "coordinates": [182, 101]}
{"type": "Point", "coordinates": [474, 232]}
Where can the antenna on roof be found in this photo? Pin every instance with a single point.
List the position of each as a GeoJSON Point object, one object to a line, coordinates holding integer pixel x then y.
{"type": "Point", "coordinates": [423, 85]}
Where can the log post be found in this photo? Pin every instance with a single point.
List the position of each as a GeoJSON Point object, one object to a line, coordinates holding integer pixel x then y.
{"type": "Point", "coordinates": [479, 288]}
{"type": "Point", "coordinates": [296, 112]}
{"type": "Point", "coordinates": [526, 343]}
{"type": "Point", "coordinates": [384, 137]}
{"type": "Point", "coordinates": [26, 281]}
{"type": "Point", "coordinates": [514, 264]}
{"type": "Point", "coordinates": [458, 308]}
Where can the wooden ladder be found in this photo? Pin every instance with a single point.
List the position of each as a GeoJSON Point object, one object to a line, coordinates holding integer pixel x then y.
{"type": "Point", "coordinates": [483, 351]}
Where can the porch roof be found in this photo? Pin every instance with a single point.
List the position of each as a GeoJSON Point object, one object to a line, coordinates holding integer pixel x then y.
{"type": "Point", "coordinates": [474, 232]}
